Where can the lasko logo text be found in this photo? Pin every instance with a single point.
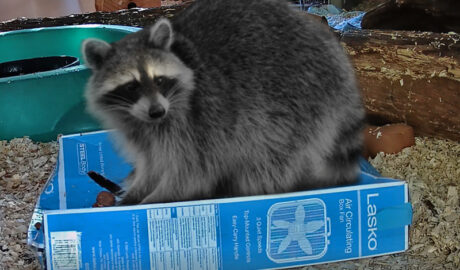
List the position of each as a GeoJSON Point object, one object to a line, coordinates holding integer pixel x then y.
{"type": "Point", "coordinates": [371, 222]}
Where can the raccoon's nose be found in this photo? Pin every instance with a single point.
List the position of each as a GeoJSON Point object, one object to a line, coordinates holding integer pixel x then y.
{"type": "Point", "coordinates": [156, 112]}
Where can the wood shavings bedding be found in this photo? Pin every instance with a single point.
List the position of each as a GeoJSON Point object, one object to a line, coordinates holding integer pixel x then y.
{"type": "Point", "coordinates": [431, 167]}
{"type": "Point", "coordinates": [24, 169]}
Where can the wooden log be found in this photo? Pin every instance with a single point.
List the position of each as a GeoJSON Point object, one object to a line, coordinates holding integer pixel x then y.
{"type": "Point", "coordinates": [410, 77]}
{"type": "Point", "coordinates": [115, 5]}
{"type": "Point", "coordinates": [419, 15]}
{"type": "Point", "coordinates": [139, 17]}
{"type": "Point", "coordinates": [131, 17]}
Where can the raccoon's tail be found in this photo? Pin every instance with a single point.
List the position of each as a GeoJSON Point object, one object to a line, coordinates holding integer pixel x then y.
{"type": "Point", "coordinates": [343, 162]}
{"type": "Point", "coordinates": [340, 166]}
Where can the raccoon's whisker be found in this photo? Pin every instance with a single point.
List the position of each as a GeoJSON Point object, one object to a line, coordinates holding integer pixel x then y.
{"type": "Point", "coordinates": [176, 95]}
{"type": "Point", "coordinates": [118, 98]}
{"type": "Point", "coordinates": [179, 96]}
{"type": "Point", "coordinates": [132, 74]}
{"type": "Point", "coordinates": [177, 101]}
{"type": "Point", "coordinates": [116, 108]}
{"type": "Point", "coordinates": [121, 103]}
{"type": "Point", "coordinates": [172, 92]}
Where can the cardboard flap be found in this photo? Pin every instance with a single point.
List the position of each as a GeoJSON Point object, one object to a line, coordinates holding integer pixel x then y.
{"type": "Point", "coordinates": [394, 217]}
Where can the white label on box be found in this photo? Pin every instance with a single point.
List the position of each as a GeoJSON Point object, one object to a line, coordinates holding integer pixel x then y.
{"type": "Point", "coordinates": [183, 237]}
{"type": "Point", "coordinates": [65, 248]}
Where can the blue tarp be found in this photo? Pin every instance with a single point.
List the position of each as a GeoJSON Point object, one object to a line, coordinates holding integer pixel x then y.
{"type": "Point", "coordinates": [338, 19]}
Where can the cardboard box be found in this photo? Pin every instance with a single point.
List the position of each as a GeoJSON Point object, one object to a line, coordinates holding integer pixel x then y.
{"type": "Point", "coordinates": [273, 231]}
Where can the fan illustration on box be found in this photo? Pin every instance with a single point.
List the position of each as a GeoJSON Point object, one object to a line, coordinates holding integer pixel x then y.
{"type": "Point", "coordinates": [297, 231]}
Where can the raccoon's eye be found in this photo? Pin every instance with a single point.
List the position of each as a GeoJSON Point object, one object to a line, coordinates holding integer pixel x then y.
{"type": "Point", "coordinates": [131, 86]}
{"type": "Point", "coordinates": [122, 95]}
{"type": "Point", "coordinates": [164, 84]}
{"type": "Point", "coordinates": [159, 80]}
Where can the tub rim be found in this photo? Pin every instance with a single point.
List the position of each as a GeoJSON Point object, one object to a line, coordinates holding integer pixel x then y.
{"type": "Point", "coordinates": [60, 71]}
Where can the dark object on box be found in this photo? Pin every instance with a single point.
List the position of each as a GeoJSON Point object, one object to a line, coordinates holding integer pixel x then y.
{"type": "Point", "coordinates": [105, 183]}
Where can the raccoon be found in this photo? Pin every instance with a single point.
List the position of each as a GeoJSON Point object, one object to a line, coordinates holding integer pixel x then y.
{"type": "Point", "coordinates": [228, 98]}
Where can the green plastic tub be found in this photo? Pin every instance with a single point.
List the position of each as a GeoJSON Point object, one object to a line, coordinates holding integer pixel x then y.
{"type": "Point", "coordinates": [47, 102]}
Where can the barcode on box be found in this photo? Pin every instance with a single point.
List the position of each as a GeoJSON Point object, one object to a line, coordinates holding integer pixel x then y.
{"type": "Point", "coordinates": [65, 250]}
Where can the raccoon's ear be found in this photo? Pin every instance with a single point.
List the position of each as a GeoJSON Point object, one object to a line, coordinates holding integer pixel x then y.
{"type": "Point", "coordinates": [94, 52]}
{"type": "Point", "coordinates": [161, 34]}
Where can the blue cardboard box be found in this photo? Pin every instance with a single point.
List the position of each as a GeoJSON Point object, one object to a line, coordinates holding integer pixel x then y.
{"type": "Point", "coordinates": [368, 219]}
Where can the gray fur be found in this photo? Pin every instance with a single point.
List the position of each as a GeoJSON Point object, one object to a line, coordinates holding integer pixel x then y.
{"type": "Point", "coordinates": [266, 102]}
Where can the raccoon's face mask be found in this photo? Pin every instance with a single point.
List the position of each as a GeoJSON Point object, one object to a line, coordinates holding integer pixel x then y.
{"type": "Point", "coordinates": [138, 77]}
